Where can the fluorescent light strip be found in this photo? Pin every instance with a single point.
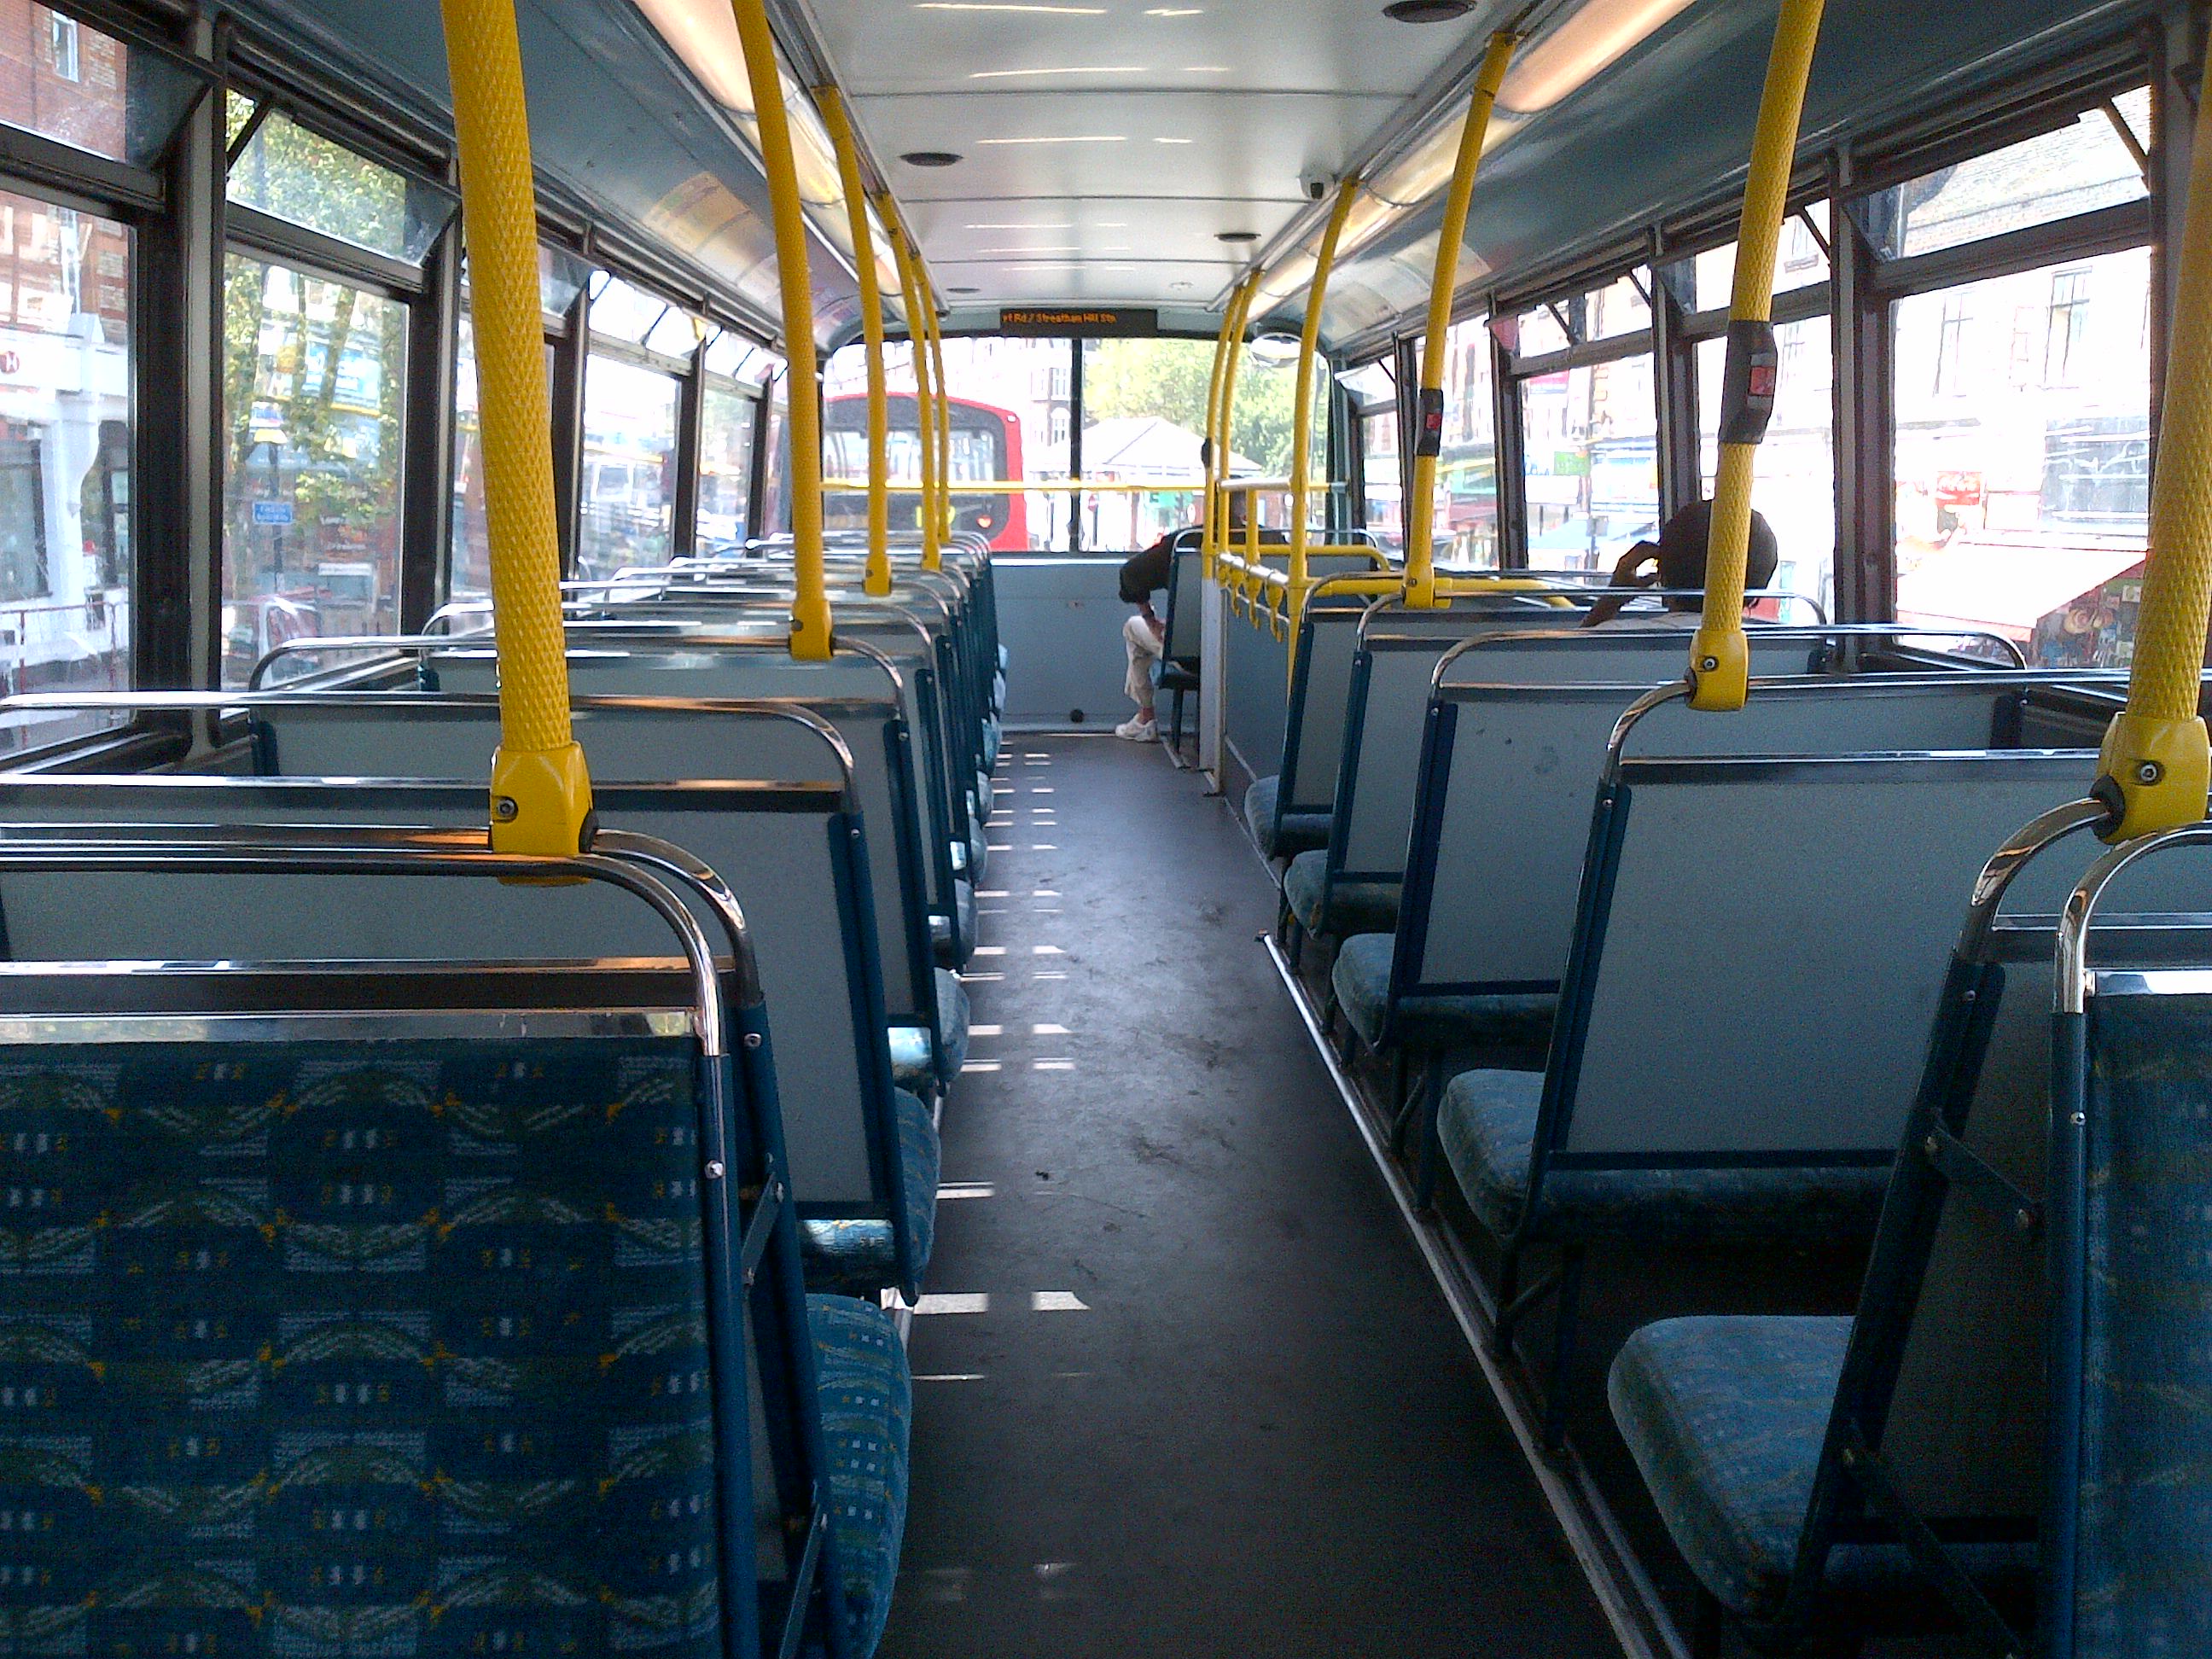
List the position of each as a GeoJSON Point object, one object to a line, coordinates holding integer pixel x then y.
{"type": "Point", "coordinates": [1175, 141]}
{"type": "Point", "coordinates": [984, 5]}
{"type": "Point", "coordinates": [1020, 228]}
{"type": "Point", "coordinates": [1074, 138]}
{"type": "Point", "coordinates": [1070, 248]}
{"type": "Point", "coordinates": [1088, 69]}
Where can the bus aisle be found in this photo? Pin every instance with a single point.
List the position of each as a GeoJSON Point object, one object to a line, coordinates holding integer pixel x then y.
{"type": "Point", "coordinates": [1182, 1385]}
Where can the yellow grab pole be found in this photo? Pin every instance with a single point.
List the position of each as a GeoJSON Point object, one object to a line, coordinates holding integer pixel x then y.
{"type": "Point", "coordinates": [541, 790]}
{"type": "Point", "coordinates": [1720, 656]}
{"type": "Point", "coordinates": [1301, 412]}
{"type": "Point", "coordinates": [810, 604]}
{"type": "Point", "coordinates": [831, 103]}
{"type": "Point", "coordinates": [1209, 515]}
{"type": "Point", "coordinates": [944, 402]}
{"type": "Point", "coordinates": [2153, 771]}
{"type": "Point", "coordinates": [1429, 425]}
{"type": "Point", "coordinates": [933, 556]}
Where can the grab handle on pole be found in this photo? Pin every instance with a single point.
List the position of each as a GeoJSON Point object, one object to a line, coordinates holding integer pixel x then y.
{"type": "Point", "coordinates": [541, 789]}
{"type": "Point", "coordinates": [1720, 655]}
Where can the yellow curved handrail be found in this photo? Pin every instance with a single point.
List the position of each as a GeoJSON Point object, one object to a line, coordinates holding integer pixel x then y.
{"type": "Point", "coordinates": [943, 424]}
{"type": "Point", "coordinates": [1451, 240]}
{"type": "Point", "coordinates": [1209, 505]}
{"type": "Point", "coordinates": [831, 103]}
{"type": "Point", "coordinates": [541, 789]}
{"type": "Point", "coordinates": [1720, 655]}
{"type": "Point", "coordinates": [810, 604]}
{"type": "Point", "coordinates": [2153, 767]}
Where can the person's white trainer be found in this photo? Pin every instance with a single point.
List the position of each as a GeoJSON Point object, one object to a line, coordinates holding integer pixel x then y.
{"type": "Point", "coordinates": [1138, 730]}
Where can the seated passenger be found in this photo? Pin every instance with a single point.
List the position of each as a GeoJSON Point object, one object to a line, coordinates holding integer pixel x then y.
{"type": "Point", "coordinates": [1677, 562]}
{"type": "Point", "coordinates": [1145, 635]}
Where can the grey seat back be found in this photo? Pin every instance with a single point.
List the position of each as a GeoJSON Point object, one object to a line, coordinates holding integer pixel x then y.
{"type": "Point", "coordinates": [1510, 772]}
{"type": "Point", "coordinates": [808, 899]}
{"type": "Point", "coordinates": [857, 691]}
{"type": "Point", "coordinates": [1186, 609]}
{"type": "Point", "coordinates": [1730, 1000]}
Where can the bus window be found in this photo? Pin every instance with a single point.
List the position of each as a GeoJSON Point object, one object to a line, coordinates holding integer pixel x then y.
{"type": "Point", "coordinates": [2022, 406]}
{"type": "Point", "coordinates": [1373, 390]}
{"type": "Point", "coordinates": [1144, 418]}
{"type": "Point", "coordinates": [468, 573]}
{"type": "Point", "coordinates": [1590, 462]}
{"type": "Point", "coordinates": [629, 482]}
{"type": "Point", "coordinates": [1464, 527]}
{"type": "Point", "coordinates": [725, 467]}
{"type": "Point", "coordinates": [313, 380]}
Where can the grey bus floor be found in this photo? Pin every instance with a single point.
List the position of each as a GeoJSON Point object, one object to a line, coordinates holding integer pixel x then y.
{"type": "Point", "coordinates": [1183, 1385]}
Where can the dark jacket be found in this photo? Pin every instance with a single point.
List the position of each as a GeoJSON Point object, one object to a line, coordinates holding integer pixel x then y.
{"type": "Point", "coordinates": [1151, 571]}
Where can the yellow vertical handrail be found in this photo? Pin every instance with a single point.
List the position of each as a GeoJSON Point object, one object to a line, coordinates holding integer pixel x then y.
{"type": "Point", "coordinates": [810, 604]}
{"type": "Point", "coordinates": [1451, 241]}
{"type": "Point", "coordinates": [1301, 413]}
{"type": "Point", "coordinates": [831, 103]}
{"type": "Point", "coordinates": [541, 789]}
{"type": "Point", "coordinates": [925, 421]}
{"type": "Point", "coordinates": [1720, 655]}
{"type": "Point", "coordinates": [943, 425]}
{"type": "Point", "coordinates": [1209, 515]}
{"type": "Point", "coordinates": [2153, 767]}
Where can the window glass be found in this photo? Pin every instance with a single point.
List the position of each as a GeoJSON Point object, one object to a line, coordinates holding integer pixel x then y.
{"type": "Point", "coordinates": [1621, 307]}
{"type": "Point", "coordinates": [65, 548]}
{"type": "Point", "coordinates": [725, 467]}
{"type": "Point", "coordinates": [468, 575]}
{"type": "Point", "coordinates": [1703, 281]}
{"type": "Point", "coordinates": [734, 357]}
{"type": "Point", "coordinates": [1144, 422]}
{"type": "Point", "coordinates": [677, 334]}
{"type": "Point", "coordinates": [290, 173]}
{"type": "Point", "coordinates": [620, 312]}
{"type": "Point", "coordinates": [1383, 480]}
{"type": "Point", "coordinates": [628, 486]}
{"type": "Point", "coordinates": [1590, 438]}
{"type": "Point", "coordinates": [1465, 528]}
{"type": "Point", "coordinates": [775, 513]}
{"type": "Point", "coordinates": [1012, 403]}
{"type": "Point", "coordinates": [2022, 409]}
{"type": "Point", "coordinates": [1793, 487]}
{"type": "Point", "coordinates": [1540, 332]}
{"type": "Point", "coordinates": [1370, 383]}
{"type": "Point", "coordinates": [69, 83]}
{"type": "Point", "coordinates": [313, 374]}
{"type": "Point", "coordinates": [2082, 166]}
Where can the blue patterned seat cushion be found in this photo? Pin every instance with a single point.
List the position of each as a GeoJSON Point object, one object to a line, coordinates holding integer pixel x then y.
{"type": "Point", "coordinates": [1361, 979]}
{"type": "Point", "coordinates": [1487, 1123]}
{"type": "Point", "coordinates": [916, 1062]}
{"type": "Point", "coordinates": [860, 1257]}
{"type": "Point", "coordinates": [1725, 1418]}
{"type": "Point", "coordinates": [343, 1348]}
{"type": "Point", "coordinates": [1299, 832]}
{"type": "Point", "coordinates": [867, 1408]}
{"type": "Point", "coordinates": [1354, 907]}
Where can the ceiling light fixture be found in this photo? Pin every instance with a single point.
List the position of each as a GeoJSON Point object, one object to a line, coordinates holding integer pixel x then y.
{"type": "Point", "coordinates": [963, 290]}
{"type": "Point", "coordinates": [1072, 69]}
{"type": "Point", "coordinates": [1173, 11]}
{"type": "Point", "coordinates": [1427, 11]}
{"type": "Point", "coordinates": [981, 5]}
{"type": "Point", "coordinates": [1066, 226]}
{"type": "Point", "coordinates": [932, 158]}
{"type": "Point", "coordinates": [1236, 236]}
{"type": "Point", "coordinates": [1593, 39]}
{"type": "Point", "coordinates": [1071, 138]}
{"type": "Point", "coordinates": [1057, 247]}
{"type": "Point", "coordinates": [1175, 141]}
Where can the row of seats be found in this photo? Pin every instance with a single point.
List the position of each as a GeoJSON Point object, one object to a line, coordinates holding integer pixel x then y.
{"type": "Point", "coordinates": [434, 1262]}
{"type": "Point", "coordinates": [1647, 976]}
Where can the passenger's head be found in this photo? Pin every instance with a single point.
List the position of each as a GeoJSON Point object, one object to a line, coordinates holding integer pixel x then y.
{"type": "Point", "coordinates": [1677, 560]}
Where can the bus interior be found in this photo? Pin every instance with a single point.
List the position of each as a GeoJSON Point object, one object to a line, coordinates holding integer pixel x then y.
{"type": "Point", "coordinates": [1267, 827]}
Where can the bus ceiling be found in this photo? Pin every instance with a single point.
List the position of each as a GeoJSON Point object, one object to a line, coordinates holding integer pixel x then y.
{"type": "Point", "coordinates": [1100, 155]}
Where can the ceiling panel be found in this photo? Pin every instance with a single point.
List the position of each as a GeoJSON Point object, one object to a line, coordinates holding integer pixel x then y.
{"type": "Point", "coordinates": [1167, 122]}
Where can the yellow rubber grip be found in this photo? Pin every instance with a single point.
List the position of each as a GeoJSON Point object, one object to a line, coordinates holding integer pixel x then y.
{"type": "Point", "coordinates": [810, 604]}
{"type": "Point", "coordinates": [541, 789]}
{"type": "Point", "coordinates": [1720, 656]}
{"type": "Point", "coordinates": [2155, 757]}
{"type": "Point", "coordinates": [1421, 511]}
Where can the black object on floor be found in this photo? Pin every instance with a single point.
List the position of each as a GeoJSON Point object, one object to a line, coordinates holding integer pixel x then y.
{"type": "Point", "coordinates": [1183, 1386]}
